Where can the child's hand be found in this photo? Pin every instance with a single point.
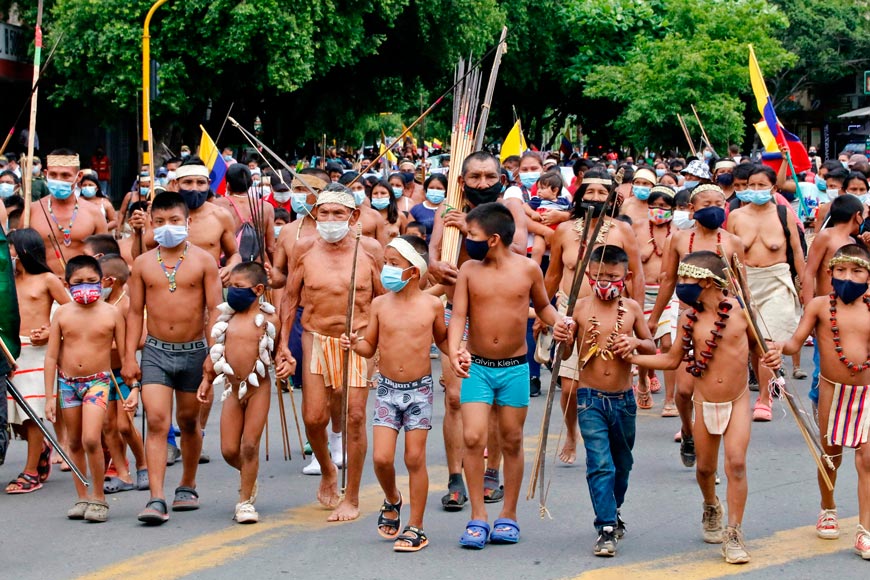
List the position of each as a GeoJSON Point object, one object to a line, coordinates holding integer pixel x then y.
{"type": "Point", "coordinates": [536, 217]}
{"type": "Point", "coordinates": [285, 365]}
{"type": "Point", "coordinates": [39, 336]}
{"type": "Point", "coordinates": [625, 345]}
{"type": "Point", "coordinates": [461, 362]}
{"type": "Point", "coordinates": [564, 330]}
{"type": "Point", "coordinates": [132, 401]}
{"type": "Point", "coordinates": [50, 409]}
{"type": "Point", "coordinates": [204, 390]}
{"type": "Point", "coordinates": [347, 343]}
{"type": "Point", "coordinates": [772, 359]}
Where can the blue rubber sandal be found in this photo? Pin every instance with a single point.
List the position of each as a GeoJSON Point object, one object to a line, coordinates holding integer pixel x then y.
{"type": "Point", "coordinates": [505, 531]}
{"type": "Point", "coordinates": [475, 536]}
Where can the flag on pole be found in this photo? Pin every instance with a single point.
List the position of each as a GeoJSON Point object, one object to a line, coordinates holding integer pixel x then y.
{"type": "Point", "coordinates": [566, 148]}
{"type": "Point", "coordinates": [389, 156]}
{"type": "Point", "coordinates": [514, 143]}
{"type": "Point", "coordinates": [409, 136]}
{"type": "Point", "coordinates": [436, 144]}
{"type": "Point", "coordinates": [770, 130]}
{"type": "Point", "coordinates": [212, 159]}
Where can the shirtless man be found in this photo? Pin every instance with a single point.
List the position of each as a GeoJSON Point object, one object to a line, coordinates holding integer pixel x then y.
{"type": "Point", "coordinates": [237, 202]}
{"type": "Point", "coordinates": [179, 285]}
{"type": "Point", "coordinates": [60, 218]}
{"type": "Point", "coordinates": [707, 207]}
{"type": "Point", "coordinates": [769, 249]}
{"type": "Point", "coordinates": [636, 207]}
{"type": "Point", "coordinates": [592, 194]}
{"type": "Point", "coordinates": [371, 221]}
{"type": "Point", "coordinates": [482, 182]}
{"type": "Point", "coordinates": [320, 279]}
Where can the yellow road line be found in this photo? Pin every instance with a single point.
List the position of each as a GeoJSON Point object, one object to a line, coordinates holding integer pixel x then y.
{"type": "Point", "coordinates": [780, 548]}
{"type": "Point", "coordinates": [214, 549]}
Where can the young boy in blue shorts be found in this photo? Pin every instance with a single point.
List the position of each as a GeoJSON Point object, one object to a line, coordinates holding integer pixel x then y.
{"type": "Point", "coordinates": [493, 290]}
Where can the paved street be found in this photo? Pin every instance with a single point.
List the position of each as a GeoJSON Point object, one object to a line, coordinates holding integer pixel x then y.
{"type": "Point", "coordinates": [293, 539]}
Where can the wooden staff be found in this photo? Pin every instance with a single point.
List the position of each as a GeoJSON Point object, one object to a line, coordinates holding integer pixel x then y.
{"type": "Point", "coordinates": [296, 418]}
{"type": "Point", "coordinates": [490, 89]}
{"type": "Point", "coordinates": [267, 438]}
{"type": "Point", "coordinates": [703, 132]}
{"type": "Point", "coordinates": [584, 254]}
{"type": "Point", "coordinates": [345, 360]}
{"type": "Point", "coordinates": [31, 131]}
{"type": "Point", "coordinates": [736, 282]}
{"type": "Point", "coordinates": [686, 134]}
{"type": "Point", "coordinates": [52, 237]}
{"type": "Point", "coordinates": [282, 414]}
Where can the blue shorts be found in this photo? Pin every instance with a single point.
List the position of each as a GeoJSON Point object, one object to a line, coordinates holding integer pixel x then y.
{"type": "Point", "coordinates": [125, 390]}
{"type": "Point", "coordinates": [504, 382]}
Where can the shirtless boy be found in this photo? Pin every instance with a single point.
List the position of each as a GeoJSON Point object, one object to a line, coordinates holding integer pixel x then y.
{"type": "Point", "coordinates": [320, 279]}
{"type": "Point", "coordinates": [493, 290]}
{"type": "Point", "coordinates": [707, 207]}
{"type": "Point", "coordinates": [177, 282]}
{"type": "Point", "coordinates": [715, 334]}
{"type": "Point", "coordinates": [79, 347]}
{"type": "Point", "coordinates": [608, 327]}
{"type": "Point", "coordinates": [841, 320]}
{"type": "Point", "coordinates": [405, 392]}
{"type": "Point", "coordinates": [37, 288]}
{"type": "Point", "coordinates": [241, 357]}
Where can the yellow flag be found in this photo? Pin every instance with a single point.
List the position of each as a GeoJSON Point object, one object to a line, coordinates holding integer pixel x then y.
{"type": "Point", "coordinates": [208, 151]}
{"type": "Point", "coordinates": [514, 143]}
{"type": "Point", "coordinates": [409, 136]}
{"type": "Point", "coordinates": [390, 157]}
{"type": "Point", "coordinates": [767, 138]}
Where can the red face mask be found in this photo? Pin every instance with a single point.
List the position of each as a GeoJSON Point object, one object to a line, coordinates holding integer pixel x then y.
{"type": "Point", "coordinates": [86, 293]}
{"type": "Point", "coordinates": [607, 290]}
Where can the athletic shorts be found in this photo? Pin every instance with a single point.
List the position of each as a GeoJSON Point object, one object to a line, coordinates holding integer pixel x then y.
{"type": "Point", "coordinates": [125, 390]}
{"type": "Point", "coordinates": [89, 390]}
{"type": "Point", "coordinates": [405, 406]}
{"type": "Point", "coordinates": [173, 364]}
{"type": "Point", "coordinates": [504, 382]}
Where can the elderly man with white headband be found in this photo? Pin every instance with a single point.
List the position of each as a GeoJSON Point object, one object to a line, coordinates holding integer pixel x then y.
{"type": "Point", "coordinates": [60, 219]}
{"type": "Point", "coordinates": [320, 274]}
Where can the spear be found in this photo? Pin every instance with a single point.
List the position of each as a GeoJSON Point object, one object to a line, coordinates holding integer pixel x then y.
{"type": "Point", "coordinates": [31, 130]}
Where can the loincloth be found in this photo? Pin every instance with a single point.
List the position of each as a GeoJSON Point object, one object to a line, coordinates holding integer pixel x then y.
{"type": "Point", "coordinates": [717, 416]}
{"type": "Point", "coordinates": [570, 368]}
{"type": "Point", "coordinates": [849, 419]}
{"type": "Point", "coordinates": [29, 380]}
{"type": "Point", "coordinates": [775, 299]}
{"type": "Point", "coordinates": [326, 360]}
{"type": "Point", "coordinates": [666, 320]}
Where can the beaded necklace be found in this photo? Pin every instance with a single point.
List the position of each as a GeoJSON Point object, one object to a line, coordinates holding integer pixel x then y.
{"type": "Point", "coordinates": [718, 241]}
{"type": "Point", "coordinates": [697, 367]}
{"type": "Point", "coordinates": [652, 240]}
{"type": "Point", "coordinates": [579, 226]}
{"type": "Point", "coordinates": [594, 334]}
{"type": "Point", "coordinates": [835, 329]}
{"type": "Point", "coordinates": [171, 272]}
{"type": "Point", "coordinates": [67, 232]}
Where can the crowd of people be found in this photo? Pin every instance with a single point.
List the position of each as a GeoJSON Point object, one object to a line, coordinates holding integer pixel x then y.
{"type": "Point", "coordinates": [185, 292]}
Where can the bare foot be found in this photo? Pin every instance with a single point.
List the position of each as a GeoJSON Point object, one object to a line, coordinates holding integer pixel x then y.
{"type": "Point", "coordinates": [345, 512]}
{"type": "Point", "coordinates": [327, 494]}
{"type": "Point", "coordinates": [569, 451]}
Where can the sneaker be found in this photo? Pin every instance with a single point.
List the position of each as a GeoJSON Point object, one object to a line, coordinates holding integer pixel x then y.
{"type": "Point", "coordinates": [337, 454]}
{"type": "Point", "coordinates": [605, 546]}
{"type": "Point", "coordinates": [434, 353]}
{"type": "Point", "coordinates": [312, 468]}
{"type": "Point", "coordinates": [173, 454]}
{"type": "Point", "coordinates": [535, 387]}
{"type": "Point", "coordinates": [711, 523]}
{"type": "Point", "coordinates": [799, 373]}
{"type": "Point", "coordinates": [246, 514]}
{"type": "Point", "coordinates": [862, 542]}
{"type": "Point", "coordinates": [619, 533]}
{"type": "Point", "coordinates": [734, 550]}
{"type": "Point", "coordinates": [827, 527]}
{"type": "Point", "coordinates": [687, 451]}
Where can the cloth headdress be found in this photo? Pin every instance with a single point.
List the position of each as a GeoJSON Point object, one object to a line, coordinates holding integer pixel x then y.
{"type": "Point", "coordinates": [407, 251]}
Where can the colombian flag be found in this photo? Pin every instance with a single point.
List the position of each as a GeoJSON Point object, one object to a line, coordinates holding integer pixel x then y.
{"type": "Point", "coordinates": [217, 167]}
{"type": "Point", "coordinates": [772, 133]}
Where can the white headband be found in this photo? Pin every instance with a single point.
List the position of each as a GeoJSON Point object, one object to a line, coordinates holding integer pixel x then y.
{"type": "Point", "coordinates": [408, 252]}
{"type": "Point", "coordinates": [188, 170]}
{"type": "Point", "coordinates": [339, 197]}
{"type": "Point", "coordinates": [63, 161]}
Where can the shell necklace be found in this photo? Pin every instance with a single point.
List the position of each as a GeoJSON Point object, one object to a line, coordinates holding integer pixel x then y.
{"type": "Point", "coordinates": [217, 354]}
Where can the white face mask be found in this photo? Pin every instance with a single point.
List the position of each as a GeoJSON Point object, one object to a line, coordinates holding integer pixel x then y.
{"type": "Point", "coordinates": [333, 232]}
{"type": "Point", "coordinates": [682, 220]}
{"type": "Point", "coordinates": [281, 196]}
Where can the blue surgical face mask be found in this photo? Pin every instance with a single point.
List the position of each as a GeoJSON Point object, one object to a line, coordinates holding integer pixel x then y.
{"type": "Point", "coordinates": [391, 278]}
{"type": "Point", "coordinates": [435, 196]}
{"type": "Point", "coordinates": [297, 203]}
{"type": "Point", "coordinates": [510, 175]}
{"type": "Point", "coordinates": [359, 197]}
{"type": "Point", "coordinates": [529, 178]}
{"type": "Point", "coordinates": [228, 157]}
{"type": "Point", "coordinates": [660, 172]}
{"type": "Point", "coordinates": [7, 190]}
{"type": "Point", "coordinates": [144, 190]}
{"type": "Point", "coordinates": [758, 196]}
{"type": "Point", "coordinates": [170, 236]}
{"type": "Point", "coordinates": [641, 192]}
{"type": "Point", "coordinates": [689, 184]}
{"type": "Point", "coordinates": [397, 192]}
{"type": "Point", "coordinates": [89, 191]}
{"type": "Point", "coordinates": [277, 231]}
{"type": "Point", "coordinates": [821, 185]}
{"type": "Point", "coordinates": [380, 202]}
{"type": "Point", "coordinates": [59, 189]}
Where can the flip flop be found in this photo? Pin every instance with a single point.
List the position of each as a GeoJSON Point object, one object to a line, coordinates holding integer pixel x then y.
{"type": "Point", "coordinates": [155, 512]}
{"type": "Point", "coordinates": [186, 499]}
{"type": "Point", "coordinates": [505, 531]}
{"type": "Point", "coordinates": [43, 468]}
{"type": "Point", "coordinates": [475, 536]}
{"type": "Point", "coordinates": [116, 485]}
{"type": "Point", "coordinates": [142, 481]}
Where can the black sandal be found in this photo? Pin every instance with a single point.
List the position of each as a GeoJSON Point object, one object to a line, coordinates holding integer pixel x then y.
{"type": "Point", "coordinates": [155, 512]}
{"type": "Point", "coordinates": [454, 500]}
{"type": "Point", "coordinates": [415, 537]}
{"type": "Point", "coordinates": [385, 522]}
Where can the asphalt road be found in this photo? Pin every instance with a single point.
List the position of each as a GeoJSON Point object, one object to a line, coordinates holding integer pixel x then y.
{"type": "Point", "coordinates": [293, 539]}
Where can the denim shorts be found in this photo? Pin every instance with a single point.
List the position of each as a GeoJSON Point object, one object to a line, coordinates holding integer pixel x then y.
{"type": "Point", "coordinates": [504, 382]}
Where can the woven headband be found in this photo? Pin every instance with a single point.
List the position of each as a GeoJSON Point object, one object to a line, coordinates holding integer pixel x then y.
{"type": "Point", "coordinates": [665, 189]}
{"type": "Point", "coordinates": [692, 271]}
{"type": "Point", "coordinates": [407, 251]}
{"type": "Point", "coordinates": [191, 170]}
{"type": "Point", "coordinates": [315, 183]}
{"type": "Point", "coordinates": [706, 187]}
{"type": "Point", "coordinates": [597, 181]}
{"type": "Point", "coordinates": [861, 262]}
{"type": "Point", "coordinates": [724, 164]}
{"type": "Point", "coordinates": [63, 161]}
{"type": "Point", "coordinates": [644, 173]}
{"type": "Point", "coordinates": [339, 197]}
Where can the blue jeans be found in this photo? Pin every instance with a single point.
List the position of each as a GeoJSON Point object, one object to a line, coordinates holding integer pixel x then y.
{"type": "Point", "coordinates": [607, 424]}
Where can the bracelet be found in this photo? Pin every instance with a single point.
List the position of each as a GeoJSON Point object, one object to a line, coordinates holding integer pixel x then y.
{"type": "Point", "coordinates": [136, 385]}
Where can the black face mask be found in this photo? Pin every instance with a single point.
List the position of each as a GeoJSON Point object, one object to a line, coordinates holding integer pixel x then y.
{"type": "Point", "coordinates": [193, 198]}
{"type": "Point", "coordinates": [477, 196]}
{"type": "Point", "coordinates": [594, 208]}
{"type": "Point", "coordinates": [725, 180]}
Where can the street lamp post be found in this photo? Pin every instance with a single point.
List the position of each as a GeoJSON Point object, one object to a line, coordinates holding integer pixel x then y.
{"type": "Point", "coordinates": [146, 94]}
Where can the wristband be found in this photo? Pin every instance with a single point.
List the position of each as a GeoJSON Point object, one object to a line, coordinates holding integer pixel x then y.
{"type": "Point", "coordinates": [136, 385]}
